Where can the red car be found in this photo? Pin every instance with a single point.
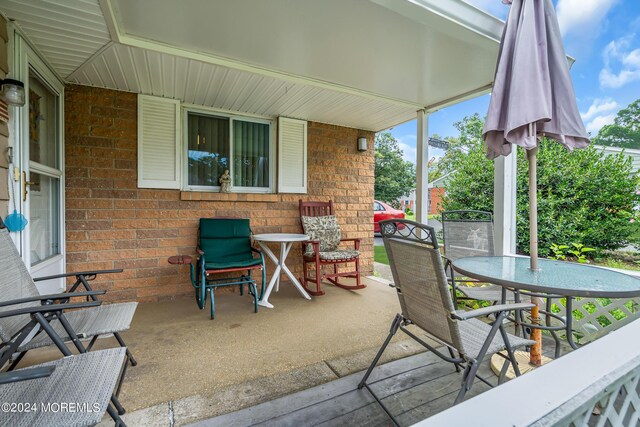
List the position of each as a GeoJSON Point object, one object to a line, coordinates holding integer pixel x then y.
{"type": "Point", "coordinates": [382, 211]}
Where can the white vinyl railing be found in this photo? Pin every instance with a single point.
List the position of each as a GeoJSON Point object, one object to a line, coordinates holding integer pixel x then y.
{"type": "Point", "coordinates": [596, 385]}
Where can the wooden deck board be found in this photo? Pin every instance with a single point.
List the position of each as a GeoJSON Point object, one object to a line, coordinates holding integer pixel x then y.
{"type": "Point", "coordinates": [412, 389]}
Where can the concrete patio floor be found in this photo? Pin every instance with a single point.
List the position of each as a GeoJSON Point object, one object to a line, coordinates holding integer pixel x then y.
{"type": "Point", "coordinates": [190, 367]}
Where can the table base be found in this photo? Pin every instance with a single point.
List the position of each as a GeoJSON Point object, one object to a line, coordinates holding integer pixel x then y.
{"type": "Point", "coordinates": [281, 267]}
{"type": "Point", "coordinates": [265, 304]}
{"type": "Point", "coordinates": [522, 357]}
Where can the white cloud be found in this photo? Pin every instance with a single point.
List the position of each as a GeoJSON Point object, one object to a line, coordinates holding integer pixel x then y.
{"type": "Point", "coordinates": [409, 153]}
{"type": "Point", "coordinates": [620, 55]}
{"type": "Point", "coordinates": [599, 106]}
{"type": "Point", "coordinates": [582, 15]}
{"type": "Point", "coordinates": [598, 122]}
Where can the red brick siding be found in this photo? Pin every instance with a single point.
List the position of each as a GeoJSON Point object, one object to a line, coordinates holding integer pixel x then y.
{"type": "Point", "coordinates": [437, 194]}
{"type": "Point", "coordinates": [110, 223]}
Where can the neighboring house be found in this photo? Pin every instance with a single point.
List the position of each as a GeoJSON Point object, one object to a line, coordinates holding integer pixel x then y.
{"type": "Point", "coordinates": [632, 153]}
{"type": "Point", "coordinates": [437, 190]}
{"type": "Point", "coordinates": [134, 109]}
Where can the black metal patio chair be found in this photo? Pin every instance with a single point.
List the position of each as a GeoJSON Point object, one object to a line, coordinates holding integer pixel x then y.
{"type": "Point", "coordinates": [470, 233]}
{"type": "Point", "coordinates": [425, 301]}
{"type": "Point", "coordinates": [56, 314]}
{"type": "Point", "coordinates": [84, 383]}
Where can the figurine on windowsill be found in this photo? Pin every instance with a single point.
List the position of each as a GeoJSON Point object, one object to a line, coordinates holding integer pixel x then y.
{"type": "Point", "coordinates": [225, 182]}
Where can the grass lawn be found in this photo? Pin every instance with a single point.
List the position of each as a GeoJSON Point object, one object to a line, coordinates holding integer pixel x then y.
{"type": "Point", "coordinates": [380, 255]}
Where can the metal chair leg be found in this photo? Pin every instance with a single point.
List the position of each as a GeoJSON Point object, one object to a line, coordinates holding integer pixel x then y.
{"type": "Point", "coordinates": [453, 356]}
{"type": "Point", "coordinates": [510, 352]}
{"type": "Point", "coordinates": [392, 331]}
{"type": "Point", "coordinates": [212, 303]}
{"type": "Point", "coordinates": [255, 296]}
{"type": "Point", "coordinates": [122, 344]}
{"type": "Point", "coordinates": [467, 380]}
{"type": "Point", "coordinates": [117, 405]}
{"type": "Point", "coordinates": [115, 416]}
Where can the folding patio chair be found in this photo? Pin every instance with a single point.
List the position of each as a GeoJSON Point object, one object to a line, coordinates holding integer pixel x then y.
{"type": "Point", "coordinates": [224, 246]}
{"type": "Point", "coordinates": [320, 224]}
{"type": "Point", "coordinates": [18, 290]}
{"type": "Point", "coordinates": [425, 301]}
{"type": "Point", "coordinates": [469, 233]}
{"type": "Point", "coordinates": [86, 381]}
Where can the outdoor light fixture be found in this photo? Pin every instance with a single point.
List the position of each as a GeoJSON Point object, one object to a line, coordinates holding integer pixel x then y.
{"type": "Point", "coordinates": [362, 144]}
{"type": "Point", "coordinates": [12, 92]}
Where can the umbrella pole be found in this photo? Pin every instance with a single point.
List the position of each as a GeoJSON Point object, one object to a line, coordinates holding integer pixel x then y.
{"type": "Point", "coordinates": [536, 334]}
{"type": "Point", "coordinates": [533, 207]}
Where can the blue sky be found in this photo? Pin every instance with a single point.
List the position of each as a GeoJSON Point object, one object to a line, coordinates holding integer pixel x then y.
{"type": "Point", "coordinates": [603, 36]}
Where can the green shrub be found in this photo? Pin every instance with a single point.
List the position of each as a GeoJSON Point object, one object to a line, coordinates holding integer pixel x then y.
{"type": "Point", "coordinates": [583, 195]}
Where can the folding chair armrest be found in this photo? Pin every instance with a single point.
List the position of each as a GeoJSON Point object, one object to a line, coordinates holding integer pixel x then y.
{"type": "Point", "coordinates": [200, 251]}
{"type": "Point", "coordinates": [48, 308]}
{"type": "Point", "coordinates": [466, 315]}
{"type": "Point", "coordinates": [50, 297]}
{"type": "Point", "coordinates": [26, 374]}
{"type": "Point", "coordinates": [78, 274]}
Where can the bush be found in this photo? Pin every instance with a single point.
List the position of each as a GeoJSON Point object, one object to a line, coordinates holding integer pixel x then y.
{"type": "Point", "coordinates": [583, 196]}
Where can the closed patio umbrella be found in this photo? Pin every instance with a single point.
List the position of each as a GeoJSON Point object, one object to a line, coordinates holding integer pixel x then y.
{"type": "Point", "coordinates": [532, 97]}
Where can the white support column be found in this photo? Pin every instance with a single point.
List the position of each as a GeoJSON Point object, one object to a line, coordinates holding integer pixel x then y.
{"type": "Point", "coordinates": [422, 168]}
{"type": "Point", "coordinates": [504, 204]}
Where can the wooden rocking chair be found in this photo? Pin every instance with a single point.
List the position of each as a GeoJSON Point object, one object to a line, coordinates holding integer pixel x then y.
{"type": "Point", "coordinates": [320, 224]}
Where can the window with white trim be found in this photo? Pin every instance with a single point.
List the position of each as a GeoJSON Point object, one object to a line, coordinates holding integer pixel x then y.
{"type": "Point", "coordinates": [216, 142]}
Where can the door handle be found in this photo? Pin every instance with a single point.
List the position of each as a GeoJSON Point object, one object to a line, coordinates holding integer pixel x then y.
{"type": "Point", "coordinates": [24, 186]}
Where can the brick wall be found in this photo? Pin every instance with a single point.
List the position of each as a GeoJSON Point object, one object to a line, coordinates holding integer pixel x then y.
{"type": "Point", "coordinates": [110, 223]}
{"type": "Point", "coordinates": [435, 206]}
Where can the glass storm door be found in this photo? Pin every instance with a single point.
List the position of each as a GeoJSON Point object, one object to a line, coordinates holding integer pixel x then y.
{"type": "Point", "coordinates": [42, 180]}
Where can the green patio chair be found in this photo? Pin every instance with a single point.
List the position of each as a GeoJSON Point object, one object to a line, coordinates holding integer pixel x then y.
{"type": "Point", "coordinates": [224, 246]}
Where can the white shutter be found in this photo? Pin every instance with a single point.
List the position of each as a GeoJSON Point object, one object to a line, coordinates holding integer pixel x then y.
{"type": "Point", "coordinates": [292, 156]}
{"type": "Point", "coordinates": [158, 142]}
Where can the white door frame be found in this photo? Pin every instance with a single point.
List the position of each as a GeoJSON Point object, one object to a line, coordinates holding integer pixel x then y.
{"type": "Point", "coordinates": [24, 58]}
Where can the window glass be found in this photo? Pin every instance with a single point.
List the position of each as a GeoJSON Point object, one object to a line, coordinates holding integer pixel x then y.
{"type": "Point", "coordinates": [241, 146]}
{"type": "Point", "coordinates": [208, 145]}
{"type": "Point", "coordinates": [44, 217]}
{"type": "Point", "coordinates": [250, 154]}
{"type": "Point", "coordinates": [43, 120]}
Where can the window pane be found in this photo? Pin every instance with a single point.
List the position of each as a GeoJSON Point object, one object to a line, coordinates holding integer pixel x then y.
{"type": "Point", "coordinates": [43, 141]}
{"type": "Point", "coordinates": [44, 214]}
{"type": "Point", "coordinates": [208, 144]}
{"type": "Point", "coordinates": [250, 154]}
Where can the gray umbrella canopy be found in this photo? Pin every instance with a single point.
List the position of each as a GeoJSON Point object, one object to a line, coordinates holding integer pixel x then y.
{"type": "Point", "coordinates": [532, 85]}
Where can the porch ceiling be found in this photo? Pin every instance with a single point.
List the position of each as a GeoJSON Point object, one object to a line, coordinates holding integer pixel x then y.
{"type": "Point", "coordinates": [368, 64]}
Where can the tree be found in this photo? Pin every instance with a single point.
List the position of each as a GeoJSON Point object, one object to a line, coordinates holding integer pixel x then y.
{"type": "Point", "coordinates": [625, 130]}
{"type": "Point", "coordinates": [584, 196]}
{"type": "Point", "coordinates": [395, 177]}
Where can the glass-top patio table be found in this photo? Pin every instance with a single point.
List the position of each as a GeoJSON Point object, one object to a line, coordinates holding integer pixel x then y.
{"type": "Point", "coordinates": [557, 278]}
